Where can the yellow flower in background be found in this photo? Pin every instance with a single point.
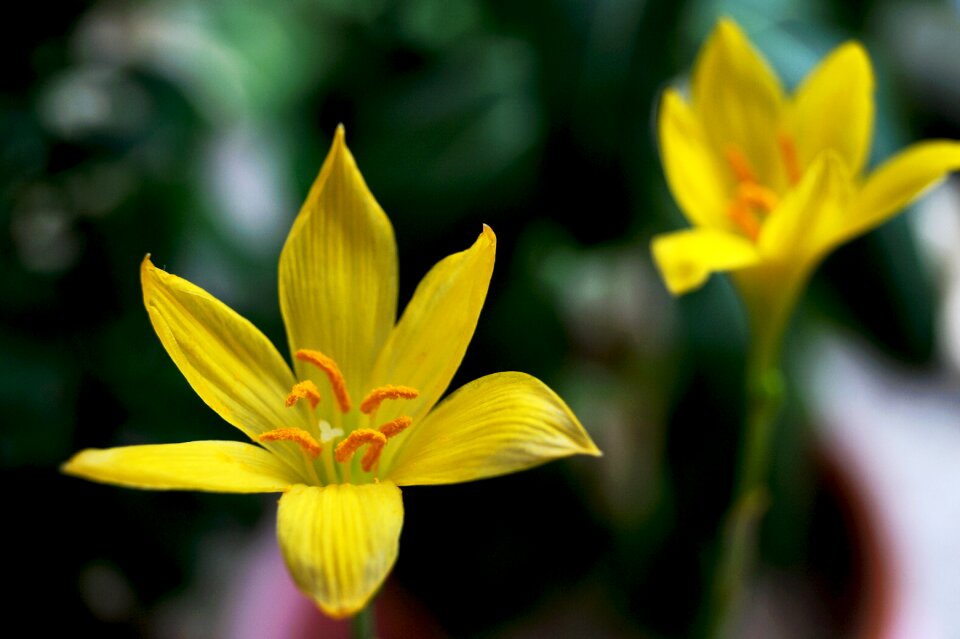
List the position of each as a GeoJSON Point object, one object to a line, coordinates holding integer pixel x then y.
{"type": "Point", "coordinates": [772, 183]}
{"type": "Point", "coordinates": [356, 417]}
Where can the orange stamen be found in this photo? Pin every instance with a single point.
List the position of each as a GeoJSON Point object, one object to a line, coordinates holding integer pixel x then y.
{"type": "Point", "coordinates": [304, 390]}
{"type": "Point", "coordinates": [372, 401]}
{"type": "Point", "coordinates": [310, 446]}
{"type": "Point", "coordinates": [789, 152]}
{"type": "Point", "coordinates": [740, 165]}
{"type": "Point", "coordinates": [374, 440]}
{"type": "Point", "coordinates": [744, 218]}
{"type": "Point", "coordinates": [395, 426]}
{"type": "Point", "coordinates": [756, 195]}
{"type": "Point", "coordinates": [333, 373]}
{"type": "Point", "coordinates": [371, 457]}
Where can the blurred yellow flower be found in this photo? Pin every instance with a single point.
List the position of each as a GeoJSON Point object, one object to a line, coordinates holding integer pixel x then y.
{"type": "Point", "coordinates": [772, 183]}
{"type": "Point", "coordinates": [340, 515]}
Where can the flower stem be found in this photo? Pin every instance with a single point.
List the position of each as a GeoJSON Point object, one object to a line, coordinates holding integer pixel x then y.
{"type": "Point", "coordinates": [362, 626]}
{"type": "Point", "coordinates": [737, 552]}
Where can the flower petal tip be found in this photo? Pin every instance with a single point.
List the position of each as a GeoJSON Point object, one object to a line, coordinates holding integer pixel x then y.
{"type": "Point", "coordinates": [727, 28]}
{"type": "Point", "coordinates": [678, 279]}
{"type": "Point", "coordinates": [337, 614]}
{"type": "Point", "coordinates": [669, 98]}
{"type": "Point", "coordinates": [489, 235]}
{"type": "Point", "coordinates": [592, 451]}
{"type": "Point", "coordinates": [148, 268]}
{"type": "Point", "coordinates": [588, 448]}
{"type": "Point", "coordinates": [339, 160]}
{"type": "Point", "coordinates": [685, 259]}
{"type": "Point", "coordinates": [338, 155]}
{"type": "Point", "coordinates": [857, 53]}
{"type": "Point", "coordinates": [84, 464]}
{"type": "Point", "coordinates": [852, 63]}
{"type": "Point", "coordinates": [338, 146]}
{"type": "Point", "coordinates": [671, 103]}
{"type": "Point", "coordinates": [149, 277]}
{"type": "Point", "coordinates": [69, 467]}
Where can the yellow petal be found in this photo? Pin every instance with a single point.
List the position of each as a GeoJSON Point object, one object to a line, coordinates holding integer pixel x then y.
{"type": "Point", "coordinates": [833, 108]}
{"type": "Point", "coordinates": [340, 541]}
{"type": "Point", "coordinates": [687, 258]}
{"type": "Point", "coordinates": [792, 241]}
{"type": "Point", "coordinates": [690, 163]}
{"type": "Point", "coordinates": [225, 467]}
{"type": "Point", "coordinates": [495, 425]}
{"type": "Point", "coordinates": [227, 361]}
{"type": "Point", "coordinates": [338, 273]}
{"type": "Point", "coordinates": [739, 101]}
{"type": "Point", "coordinates": [899, 181]}
{"type": "Point", "coordinates": [428, 343]}
{"type": "Point", "coordinates": [802, 227]}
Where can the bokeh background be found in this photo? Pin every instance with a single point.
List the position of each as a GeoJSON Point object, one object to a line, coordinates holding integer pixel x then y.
{"type": "Point", "coordinates": [192, 130]}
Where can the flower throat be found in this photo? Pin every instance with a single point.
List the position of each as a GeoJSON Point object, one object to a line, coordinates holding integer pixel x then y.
{"type": "Point", "coordinates": [752, 201]}
{"type": "Point", "coordinates": [374, 439]}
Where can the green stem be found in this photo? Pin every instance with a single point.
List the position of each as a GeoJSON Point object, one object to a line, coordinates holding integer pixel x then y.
{"type": "Point", "coordinates": [738, 543]}
{"type": "Point", "coordinates": [362, 624]}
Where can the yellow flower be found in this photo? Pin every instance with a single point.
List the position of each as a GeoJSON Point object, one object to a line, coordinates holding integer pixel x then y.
{"type": "Point", "coordinates": [355, 418]}
{"type": "Point", "coordinates": [772, 183]}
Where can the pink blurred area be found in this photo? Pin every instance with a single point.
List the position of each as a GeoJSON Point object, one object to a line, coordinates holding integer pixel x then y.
{"type": "Point", "coordinates": [264, 602]}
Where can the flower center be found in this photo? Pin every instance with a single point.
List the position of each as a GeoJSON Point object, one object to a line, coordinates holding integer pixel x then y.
{"type": "Point", "coordinates": [752, 201]}
{"type": "Point", "coordinates": [330, 368]}
{"type": "Point", "coordinates": [373, 438]}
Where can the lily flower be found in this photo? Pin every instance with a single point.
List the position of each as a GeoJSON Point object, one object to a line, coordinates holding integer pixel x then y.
{"type": "Point", "coordinates": [357, 416]}
{"type": "Point", "coordinates": [772, 183]}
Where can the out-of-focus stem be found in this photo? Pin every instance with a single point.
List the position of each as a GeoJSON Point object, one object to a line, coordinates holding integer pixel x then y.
{"type": "Point", "coordinates": [362, 626]}
{"type": "Point", "coordinates": [738, 542]}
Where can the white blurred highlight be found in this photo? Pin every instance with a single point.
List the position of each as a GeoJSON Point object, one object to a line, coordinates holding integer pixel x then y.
{"type": "Point", "coordinates": [899, 433]}
{"type": "Point", "coordinates": [938, 229]}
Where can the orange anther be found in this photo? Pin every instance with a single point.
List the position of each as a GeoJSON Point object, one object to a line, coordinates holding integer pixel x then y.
{"type": "Point", "coordinates": [374, 439]}
{"type": "Point", "coordinates": [304, 390]}
{"type": "Point", "coordinates": [740, 164]}
{"type": "Point", "coordinates": [744, 218]}
{"type": "Point", "coordinates": [789, 152]}
{"type": "Point", "coordinates": [758, 196]}
{"type": "Point", "coordinates": [371, 457]}
{"type": "Point", "coordinates": [328, 366]}
{"type": "Point", "coordinates": [310, 446]}
{"type": "Point", "coordinates": [372, 401]}
{"type": "Point", "coordinates": [356, 439]}
{"type": "Point", "coordinates": [395, 426]}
